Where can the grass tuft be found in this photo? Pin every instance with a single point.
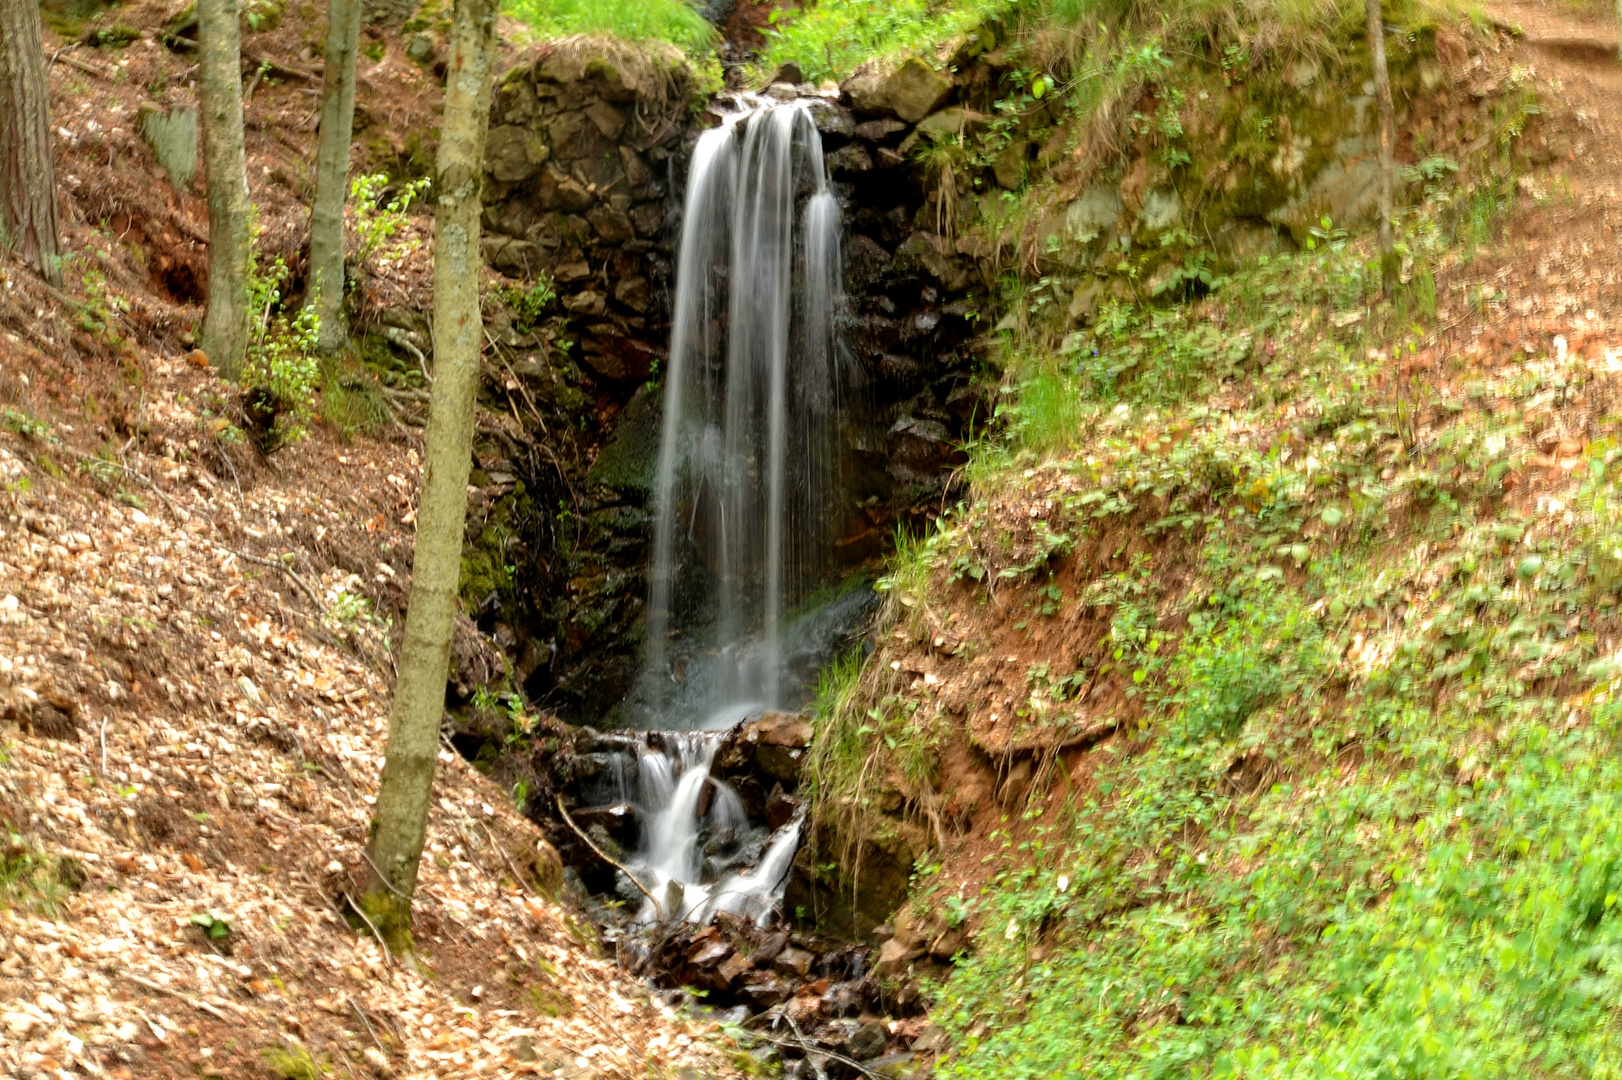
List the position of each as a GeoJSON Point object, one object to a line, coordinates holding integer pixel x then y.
{"type": "Point", "coordinates": [674, 21]}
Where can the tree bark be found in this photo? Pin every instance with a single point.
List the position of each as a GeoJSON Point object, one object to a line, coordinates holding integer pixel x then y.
{"type": "Point", "coordinates": [230, 214]}
{"type": "Point", "coordinates": [400, 821]}
{"type": "Point", "coordinates": [27, 171]}
{"type": "Point", "coordinates": [1387, 182]}
{"type": "Point", "coordinates": [332, 172]}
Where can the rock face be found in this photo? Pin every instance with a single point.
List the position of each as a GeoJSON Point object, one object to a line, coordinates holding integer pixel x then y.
{"type": "Point", "coordinates": [577, 187]}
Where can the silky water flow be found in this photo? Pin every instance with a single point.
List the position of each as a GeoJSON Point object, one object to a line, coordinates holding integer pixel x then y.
{"type": "Point", "coordinates": [745, 491]}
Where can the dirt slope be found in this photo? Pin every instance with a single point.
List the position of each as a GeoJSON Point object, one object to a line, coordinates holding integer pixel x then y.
{"type": "Point", "coordinates": [194, 666]}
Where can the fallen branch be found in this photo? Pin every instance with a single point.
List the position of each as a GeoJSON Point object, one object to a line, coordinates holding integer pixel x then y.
{"type": "Point", "coordinates": [159, 988]}
{"type": "Point", "coordinates": [388, 958]}
{"type": "Point", "coordinates": [643, 889]}
{"type": "Point", "coordinates": [284, 568]}
{"type": "Point", "coordinates": [806, 1046]}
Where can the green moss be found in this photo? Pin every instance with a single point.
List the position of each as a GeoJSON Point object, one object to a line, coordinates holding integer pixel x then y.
{"type": "Point", "coordinates": [389, 917]}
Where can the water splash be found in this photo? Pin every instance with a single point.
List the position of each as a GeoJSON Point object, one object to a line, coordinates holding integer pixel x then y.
{"type": "Point", "coordinates": [678, 840]}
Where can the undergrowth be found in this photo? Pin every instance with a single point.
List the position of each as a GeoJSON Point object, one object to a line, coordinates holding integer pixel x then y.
{"type": "Point", "coordinates": [1368, 822]}
{"type": "Point", "coordinates": [675, 21]}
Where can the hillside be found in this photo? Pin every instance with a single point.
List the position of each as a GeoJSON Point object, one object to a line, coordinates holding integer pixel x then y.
{"type": "Point", "coordinates": [195, 665]}
{"type": "Point", "coordinates": [1240, 693]}
{"type": "Point", "coordinates": [1255, 713]}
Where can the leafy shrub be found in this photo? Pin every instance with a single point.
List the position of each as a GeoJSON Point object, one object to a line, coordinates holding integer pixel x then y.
{"type": "Point", "coordinates": [377, 222]}
{"type": "Point", "coordinates": [280, 373]}
{"type": "Point", "coordinates": [528, 303]}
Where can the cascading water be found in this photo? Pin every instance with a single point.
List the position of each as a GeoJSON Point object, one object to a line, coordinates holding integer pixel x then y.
{"type": "Point", "coordinates": [748, 472]}
{"type": "Point", "coordinates": [746, 490]}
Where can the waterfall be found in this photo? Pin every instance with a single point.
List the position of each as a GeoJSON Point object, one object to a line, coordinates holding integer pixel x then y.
{"type": "Point", "coordinates": [698, 853]}
{"type": "Point", "coordinates": [745, 499]}
{"type": "Point", "coordinates": [747, 478]}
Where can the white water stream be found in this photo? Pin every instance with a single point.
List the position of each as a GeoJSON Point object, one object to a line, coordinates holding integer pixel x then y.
{"type": "Point", "coordinates": [746, 483]}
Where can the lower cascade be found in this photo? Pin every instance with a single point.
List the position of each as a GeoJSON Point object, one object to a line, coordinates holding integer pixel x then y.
{"type": "Point", "coordinates": [698, 854]}
{"type": "Point", "coordinates": [746, 500]}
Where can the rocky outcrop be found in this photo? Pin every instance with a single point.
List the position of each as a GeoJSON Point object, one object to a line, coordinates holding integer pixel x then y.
{"type": "Point", "coordinates": [577, 187]}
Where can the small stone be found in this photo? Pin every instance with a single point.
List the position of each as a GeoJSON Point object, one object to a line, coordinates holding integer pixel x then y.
{"type": "Point", "coordinates": [793, 962]}
{"type": "Point", "coordinates": [523, 1048]}
{"type": "Point", "coordinates": [420, 48]}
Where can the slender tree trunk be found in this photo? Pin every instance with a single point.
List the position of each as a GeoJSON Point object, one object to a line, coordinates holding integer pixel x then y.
{"type": "Point", "coordinates": [332, 171]}
{"type": "Point", "coordinates": [225, 325]}
{"type": "Point", "coordinates": [1388, 137]}
{"type": "Point", "coordinates": [27, 173]}
{"type": "Point", "coordinates": [400, 822]}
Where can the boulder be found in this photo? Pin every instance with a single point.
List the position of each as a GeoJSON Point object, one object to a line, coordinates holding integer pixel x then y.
{"type": "Point", "coordinates": [852, 158]}
{"type": "Point", "coordinates": [780, 729]}
{"type": "Point", "coordinates": [866, 92]}
{"type": "Point", "coordinates": [868, 1042]}
{"type": "Point", "coordinates": [879, 130]}
{"type": "Point", "coordinates": [892, 959]}
{"type": "Point", "coordinates": [951, 123]}
{"type": "Point", "coordinates": [793, 963]}
{"type": "Point", "coordinates": [514, 153]}
{"type": "Point", "coordinates": [915, 89]}
{"type": "Point", "coordinates": [1009, 168]}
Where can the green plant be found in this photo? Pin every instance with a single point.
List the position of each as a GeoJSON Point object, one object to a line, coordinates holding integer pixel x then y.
{"type": "Point", "coordinates": [214, 926]}
{"type": "Point", "coordinates": [376, 222]}
{"type": "Point", "coordinates": [675, 21]}
{"type": "Point", "coordinates": [528, 303]}
{"type": "Point", "coordinates": [280, 371]}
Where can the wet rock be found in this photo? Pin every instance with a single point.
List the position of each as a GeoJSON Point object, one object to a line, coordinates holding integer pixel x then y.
{"type": "Point", "coordinates": [867, 1042]}
{"type": "Point", "coordinates": [709, 954]}
{"type": "Point", "coordinates": [624, 887]}
{"type": "Point", "coordinates": [733, 967]}
{"type": "Point", "coordinates": [788, 73]}
{"type": "Point", "coordinates": [793, 962]}
{"type": "Point", "coordinates": [830, 119]}
{"type": "Point", "coordinates": [634, 293]}
{"type": "Point", "coordinates": [919, 442]}
{"type": "Point", "coordinates": [853, 158]}
{"type": "Point", "coordinates": [780, 808]}
{"type": "Point", "coordinates": [618, 822]}
{"type": "Point", "coordinates": [842, 999]}
{"type": "Point", "coordinates": [767, 991]}
{"type": "Point", "coordinates": [771, 948]}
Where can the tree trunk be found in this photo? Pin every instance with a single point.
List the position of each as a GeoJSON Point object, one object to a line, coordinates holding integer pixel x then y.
{"type": "Point", "coordinates": [27, 174]}
{"type": "Point", "coordinates": [332, 172]}
{"type": "Point", "coordinates": [225, 325]}
{"type": "Point", "coordinates": [400, 822]}
{"type": "Point", "coordinates": [1388, 168]}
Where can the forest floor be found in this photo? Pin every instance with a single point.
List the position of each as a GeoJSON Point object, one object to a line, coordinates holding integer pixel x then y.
{"type": "Point", "coordinates": [195, 666]}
